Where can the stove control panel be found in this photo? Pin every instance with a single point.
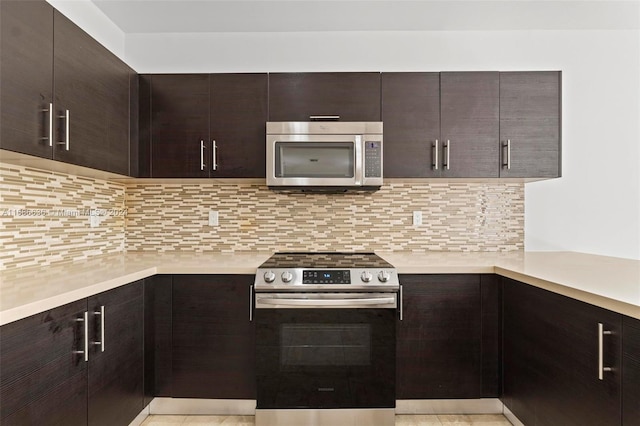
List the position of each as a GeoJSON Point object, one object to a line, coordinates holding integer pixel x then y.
{"type": "Point", "coordinates": [308, 279]}
{"type": "Point", "coordinates": [328, 276]}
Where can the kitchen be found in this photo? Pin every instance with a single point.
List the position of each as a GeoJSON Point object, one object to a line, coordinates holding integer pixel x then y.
{"type": "Point", "coordinates": [170, 218]}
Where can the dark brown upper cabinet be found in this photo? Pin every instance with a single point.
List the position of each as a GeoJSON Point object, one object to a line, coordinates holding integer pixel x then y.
{"type": "Point", "coordinates": [91, 101]}
{"type": "Point", "coordinates": [351, 96]}
{"type": "Point", "coordinates": [179, 125]}
{"type": "Point", "coordinates": [530, 105]}
{"type": "Point", "coordinates": [64, 96]}
{"type": "Point", "coordinates": [238, 125]}
{"type": "Point", "coordinates": [411, 116]}
{"type": "Point", "coordinates": [201, 125]}
{"type": "Point", "coordinates": [26, 66]}
{"type": "Point", "coordinates": [469, 124]}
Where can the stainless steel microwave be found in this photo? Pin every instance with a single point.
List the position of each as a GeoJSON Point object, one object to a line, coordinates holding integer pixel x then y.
{"type": "Point", "coordinates": [324, 155]}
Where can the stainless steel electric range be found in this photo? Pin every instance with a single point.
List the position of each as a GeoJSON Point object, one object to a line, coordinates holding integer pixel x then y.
{"type": "Point", "coordinates": [325, 339]}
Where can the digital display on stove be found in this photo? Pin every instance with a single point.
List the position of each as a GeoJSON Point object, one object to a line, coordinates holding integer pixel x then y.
{"type": "Point", "coordinates": [326, 277]}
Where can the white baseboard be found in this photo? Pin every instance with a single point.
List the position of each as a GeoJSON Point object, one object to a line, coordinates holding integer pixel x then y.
{"type": "Point", "coordinates": [512, 417]}
{"type": "Point", "coordinates": [211, 407]}
{"type": "Point", "coordinates": [449, 406]}
{"type": "Point", "coordinates": [247, 407]}
{"type": "Point", "coordinates": [140, 417]}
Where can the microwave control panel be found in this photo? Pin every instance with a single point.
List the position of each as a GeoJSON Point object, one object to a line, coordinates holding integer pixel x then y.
{"type": "Point", "coordinates": [373, 159]}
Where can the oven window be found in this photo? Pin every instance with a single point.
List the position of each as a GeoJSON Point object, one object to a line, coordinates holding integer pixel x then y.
{"type": "Point", "coordinates": [325, 345]}
{"type": "Point", "coordinates": [314, 159]}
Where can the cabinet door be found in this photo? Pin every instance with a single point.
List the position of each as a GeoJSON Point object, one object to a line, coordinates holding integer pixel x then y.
{"type": "Point", "coordinates": [26, 66]}
{"type": "Point", "coordinates": [631, 372]}
{"type": "Point", "coordinates": [469, 113]}
{"type": "Point", "coordinates": [350, 95]}
{"type": "Point", "coordinates": [180, 125]}
{"type": "Point", "coordinates": [530, 124]}
{"type": "Point", "coordinates": [213, 338]}
{"type": "Point", "coordinates": [115, 375]}
{"type": "Point", "coordinates": [438, 340]}
{"type": "Point", "coordinates": [42, 379]}
{"type": "Point", "coordinates": [157, 336]}
{"type": "Point", "coordinates": [411, 116]}
{"type": "Point", "coordinates": [93, 85]}
{"type": "Point", "coordinates": [238, 117]}
{"type": "Point", "coordinates": [551, 359]}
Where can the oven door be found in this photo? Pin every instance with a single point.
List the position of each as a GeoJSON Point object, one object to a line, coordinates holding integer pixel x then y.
{"type": "Point", "coordinates": [314, 160]}
{"type": "Point", "coordinates": [325, 350]}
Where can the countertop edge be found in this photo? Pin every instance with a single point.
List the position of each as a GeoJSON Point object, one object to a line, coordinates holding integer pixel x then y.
{"type": "Point", "coordinates": [574, 293]}
{"type": "Point", "coordinates": [24, 311]}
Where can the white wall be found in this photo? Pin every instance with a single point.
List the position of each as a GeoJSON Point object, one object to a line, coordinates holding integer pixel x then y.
{"type": "Point", "coordinates": [593, 208]}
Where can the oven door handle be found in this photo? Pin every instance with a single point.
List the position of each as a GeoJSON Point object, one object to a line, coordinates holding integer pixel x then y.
{"type": "Point", "coordinates": [389, 302]}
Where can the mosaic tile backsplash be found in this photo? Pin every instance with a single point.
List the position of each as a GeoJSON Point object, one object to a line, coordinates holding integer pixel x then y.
{"type": "Point", "coordinates": [456, 217]}
{"type": "Point", "coordinates": [45, 217]}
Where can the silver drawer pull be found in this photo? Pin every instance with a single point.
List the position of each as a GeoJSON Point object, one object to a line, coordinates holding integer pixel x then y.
{"type": "Point", "coordinates": [202, 165]}
{"type": "Point", "coordinates": [50, 132]}
{"type": "Point", "coordinates": [447, 155]}
{"type": "Point", "coordinates": [601, 368]}
{"type": "Point", "coordinates": [434, 163]}
{"type": "Point", "coordinates": [65, 142]}
{"type": "Point", "coordinates": [101, 342]}
{"type": "Point", "coordinates": [85, 320]}
{"type": "Point", "coordinates": [215, 156]}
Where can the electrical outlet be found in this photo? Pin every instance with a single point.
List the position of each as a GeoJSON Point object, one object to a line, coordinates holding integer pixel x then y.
{"type": "Point", "coordinates": [417, 218]}
{"type": "Point", "coordinates": [213, 218]}
{"type": "Point", "coordinates": [94, 221]}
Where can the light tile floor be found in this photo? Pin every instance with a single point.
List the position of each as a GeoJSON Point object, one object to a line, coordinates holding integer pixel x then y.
{"type": "Point", "coordinates": [401, 420]}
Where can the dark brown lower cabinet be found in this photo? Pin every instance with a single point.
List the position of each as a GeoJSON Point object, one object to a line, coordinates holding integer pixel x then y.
{"type": "Point", "coordinates": [551, 355]}
{"type": "Point", "coordinates": [439, 337]}
{"type": "Point", "coordinates": [45, 380]}
{"type": "Point", "coordinates": [213, 338]}
{"type": "Point", "coordinates": [115, 378]}
{"type": "Point", "coordinates": [631, 372]}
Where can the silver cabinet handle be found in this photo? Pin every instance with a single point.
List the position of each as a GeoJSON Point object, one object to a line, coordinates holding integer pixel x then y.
{"type": "Point", "coordinates": [507, 164]}
{"type": "Point", "coordinates": [434, 163]}
{"type": "Point", "coordinates": [85, 319]}
{"type": "Point", "coordinates": [215, 156]}
{"type": "Point", "coordinates": [601, 368]}
{"type": "Point", "coordinates": [50, 133]}
{"type": "Point", "coordinates": [101, 342]}
{"type": "Point", "coordinates": [324, 117]}
{"type": "Point", "coordinates": [202, 165]}
{"type": "Point", "coordinates": [250, 303]}
{"type": "Point", "coordinates": [65, 142]}
{"type": "Point", "coordinates": [447, 155]}
{"type": "Point", "coordinates": [400, 302]}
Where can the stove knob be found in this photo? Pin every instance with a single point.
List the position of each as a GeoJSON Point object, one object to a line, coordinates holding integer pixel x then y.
{"type": "Point", "coordinates": [383, 276]}
{"type": "Point", "coordinates": [269, 276]}
{"type": "Point", "coordinates": [287, 276]}
{"type": "Point", "coordinates": [366, 276]}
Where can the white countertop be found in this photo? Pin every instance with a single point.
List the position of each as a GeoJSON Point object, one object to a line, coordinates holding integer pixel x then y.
{"type": "Point", "coordinates": [611, 283]}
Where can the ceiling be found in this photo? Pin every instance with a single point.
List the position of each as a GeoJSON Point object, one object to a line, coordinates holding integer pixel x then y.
{"type": "Point", "coordinates": [200, 16]}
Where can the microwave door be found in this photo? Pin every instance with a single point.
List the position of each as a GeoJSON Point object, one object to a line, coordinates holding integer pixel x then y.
{"type": "Point", "coordinates": [329, 161]}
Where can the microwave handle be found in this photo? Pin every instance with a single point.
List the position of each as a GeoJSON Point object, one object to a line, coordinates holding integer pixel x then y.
{"type": "Point", "coordinates": [359, 172]}
{"type": "Point", "coordinates": [324, 118]}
